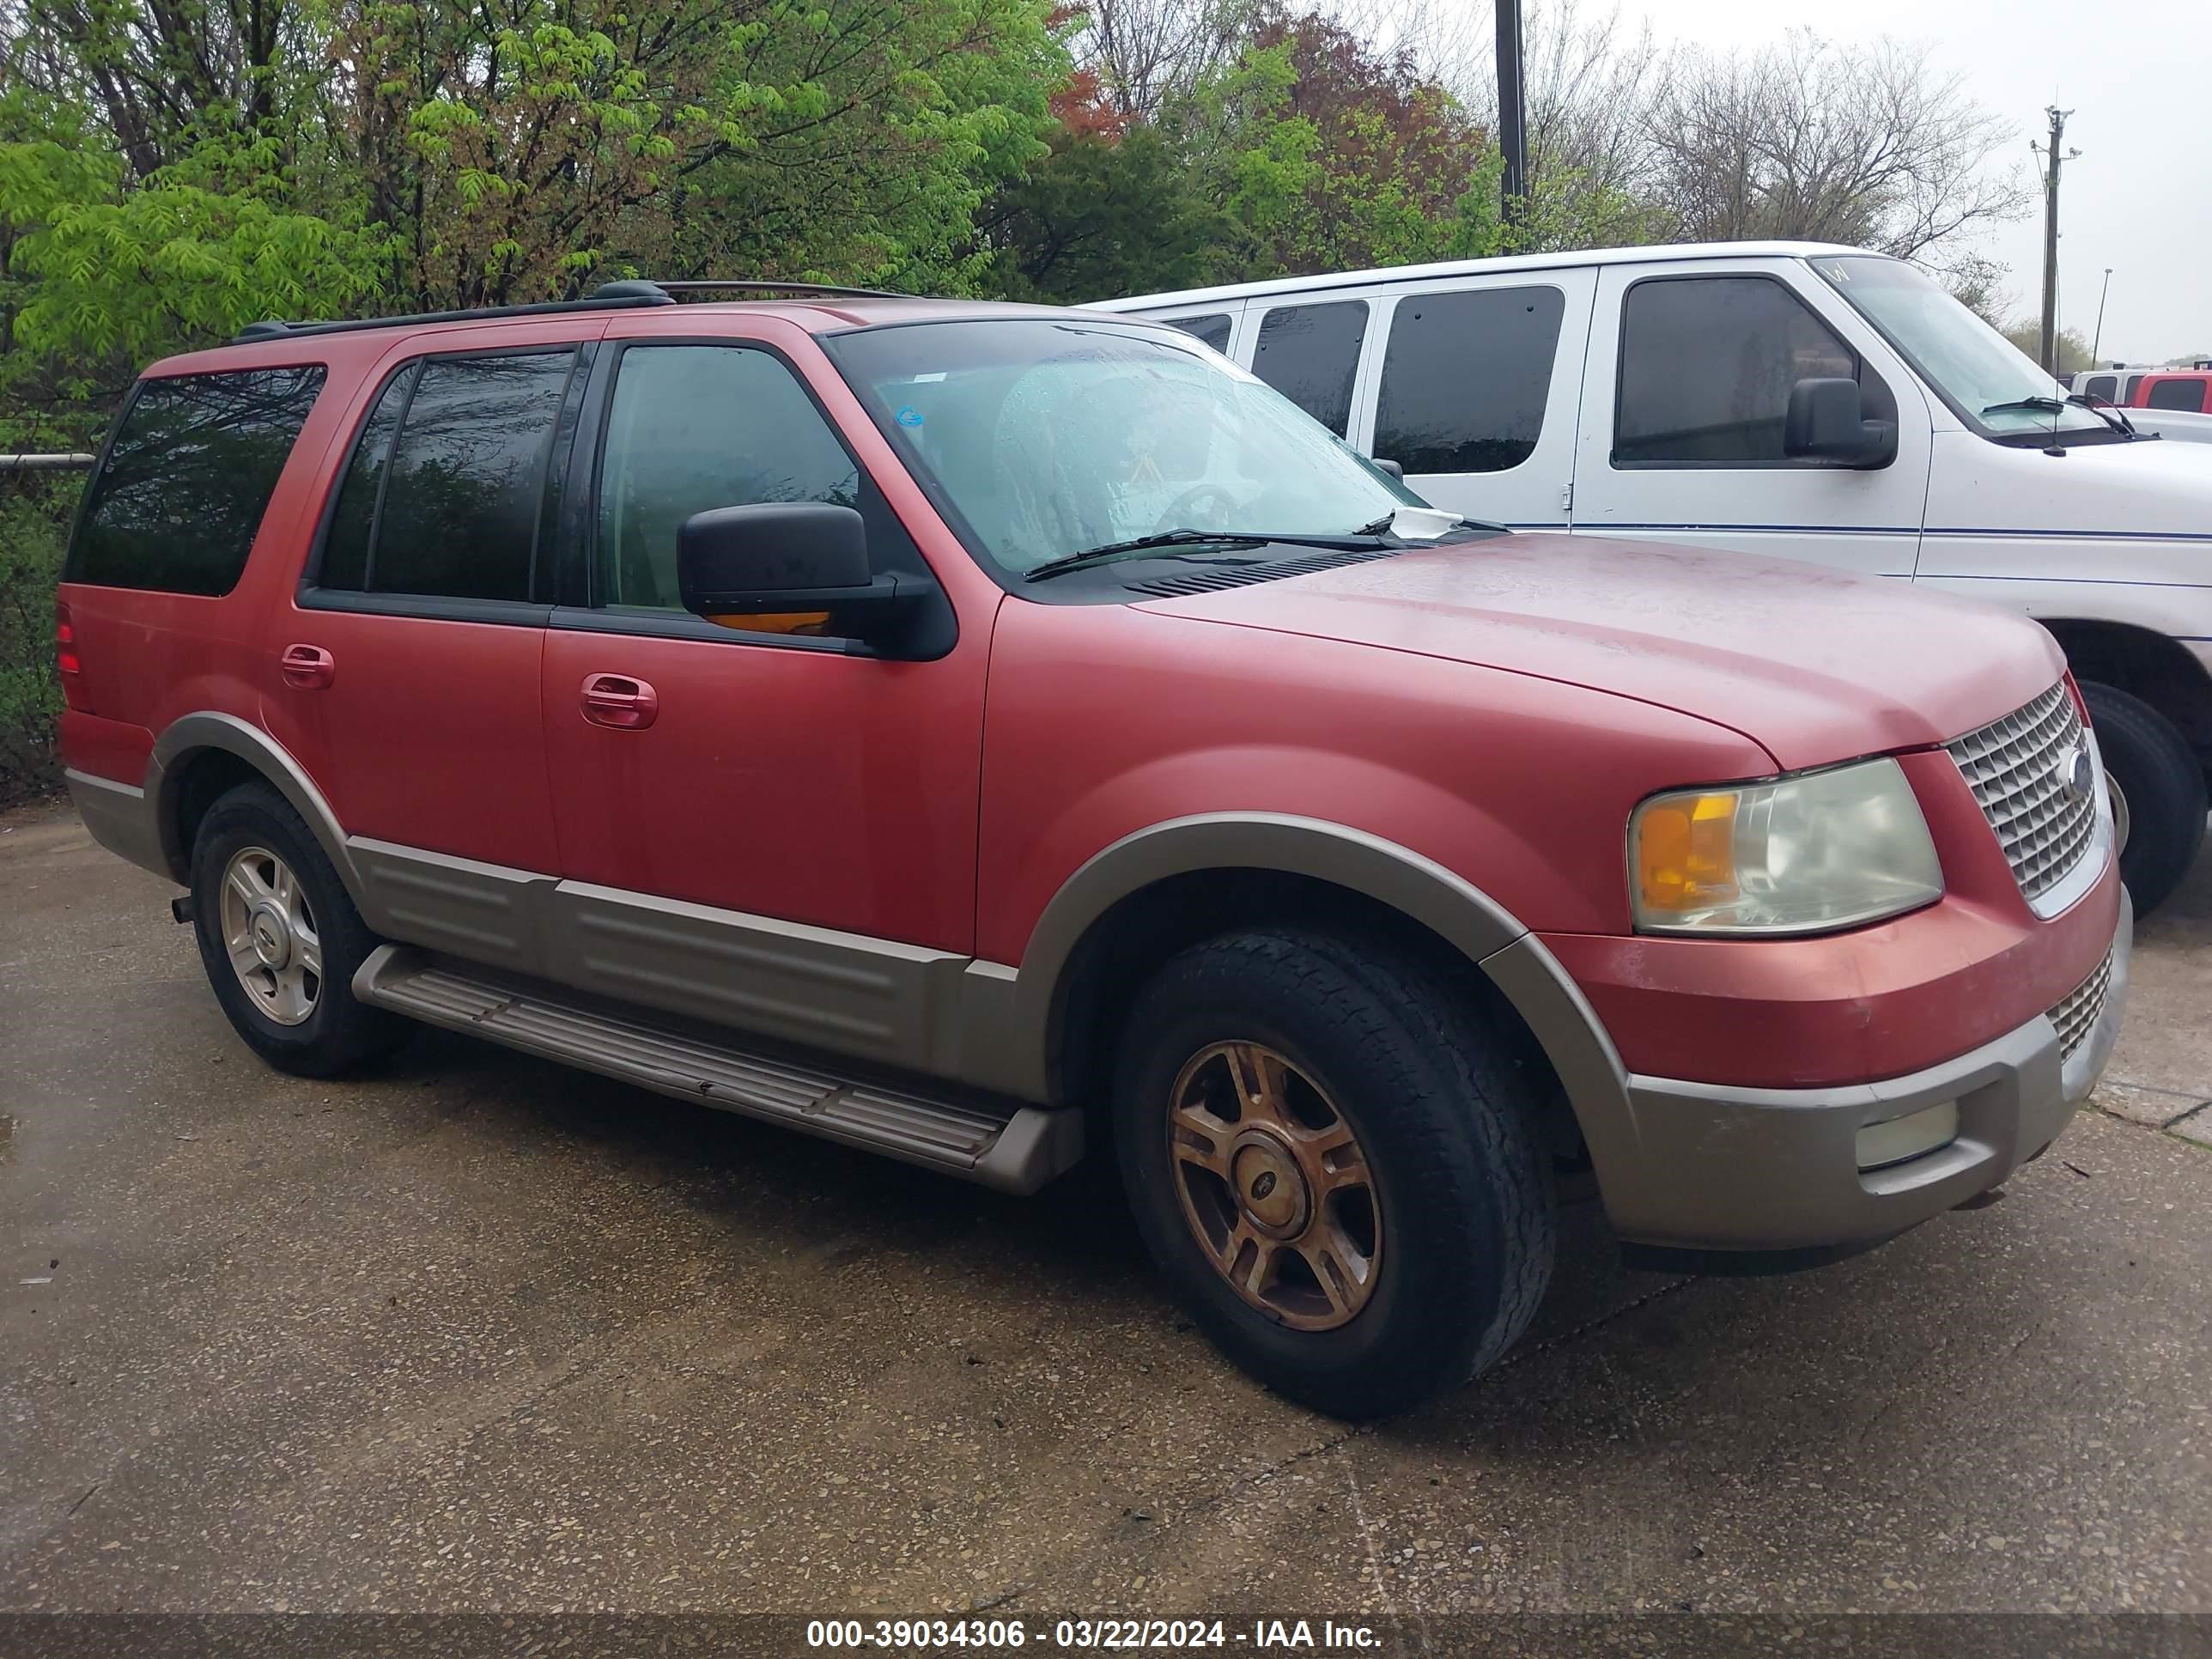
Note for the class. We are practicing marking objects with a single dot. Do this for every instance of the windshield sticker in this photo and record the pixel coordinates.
(909, 417)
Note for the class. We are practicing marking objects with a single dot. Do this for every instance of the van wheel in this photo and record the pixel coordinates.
(1333, 1166)
(2158, 793)
(280, 938)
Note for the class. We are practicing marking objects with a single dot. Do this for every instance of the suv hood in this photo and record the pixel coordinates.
(1814, 664)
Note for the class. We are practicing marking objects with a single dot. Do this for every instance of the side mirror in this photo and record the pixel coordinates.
(789, 568)
(1391, 467)
(1827, 421)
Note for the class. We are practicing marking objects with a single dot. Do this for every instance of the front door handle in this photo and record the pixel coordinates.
(619, 701)
(308, 667)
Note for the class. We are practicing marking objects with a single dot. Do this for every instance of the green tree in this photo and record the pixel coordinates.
(2073, 349)
(1103, 215)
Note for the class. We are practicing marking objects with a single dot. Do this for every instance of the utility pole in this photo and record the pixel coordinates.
(2098, 339)
(1512, 118)
(2052, 158)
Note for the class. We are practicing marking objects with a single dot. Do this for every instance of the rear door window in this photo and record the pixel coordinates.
(444, 495)
(2099, 386)
(1310, 354)
(179, 498)
(1212, 328)
(1706, 367)
(2134, 380)
(1465, 377)
(2185, 395)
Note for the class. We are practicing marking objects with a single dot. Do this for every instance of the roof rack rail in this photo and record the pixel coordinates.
(628, 294)
(710, 284)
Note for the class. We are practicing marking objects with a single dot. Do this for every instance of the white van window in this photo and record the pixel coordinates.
(1310, 354)
(1212, 328)
(2134, 380)
(1465, 377)
(1706, 366)
(2099, 386)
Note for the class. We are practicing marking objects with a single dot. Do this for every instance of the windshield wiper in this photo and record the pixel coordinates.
(2040, 404)
(2114, 416)
(1366, 535)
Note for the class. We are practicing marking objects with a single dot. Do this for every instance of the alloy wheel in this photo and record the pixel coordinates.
(1275, 1185)
(269, 934)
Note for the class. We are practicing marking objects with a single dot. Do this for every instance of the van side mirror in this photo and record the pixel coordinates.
(790, 567)
(1827, 421)
(1393, 468)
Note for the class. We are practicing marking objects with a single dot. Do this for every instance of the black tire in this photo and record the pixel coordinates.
(340, 1033)
(1444, 1118)
(2153, 766)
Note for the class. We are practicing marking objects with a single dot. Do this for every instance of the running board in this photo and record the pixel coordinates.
(1004, 1145)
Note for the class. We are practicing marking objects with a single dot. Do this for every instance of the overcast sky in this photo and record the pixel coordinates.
(2137, 73)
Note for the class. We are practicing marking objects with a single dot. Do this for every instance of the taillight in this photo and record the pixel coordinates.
(2080, 702)
(65, 657)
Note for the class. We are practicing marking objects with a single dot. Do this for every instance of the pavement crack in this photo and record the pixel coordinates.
(1529, 1351)
(87, 1498)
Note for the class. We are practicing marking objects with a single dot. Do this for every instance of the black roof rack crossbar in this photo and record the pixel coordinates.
(626, 294)
(747, 285)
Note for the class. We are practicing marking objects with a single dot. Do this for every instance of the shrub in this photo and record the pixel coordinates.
(34, 528)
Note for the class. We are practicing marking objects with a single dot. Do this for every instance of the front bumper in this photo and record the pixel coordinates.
(1724, 1168)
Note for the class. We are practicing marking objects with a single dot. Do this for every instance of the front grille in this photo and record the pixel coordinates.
(2076, 1014)
(2021, 769)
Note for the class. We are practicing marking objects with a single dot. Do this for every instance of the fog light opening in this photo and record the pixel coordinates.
(1914, 1135)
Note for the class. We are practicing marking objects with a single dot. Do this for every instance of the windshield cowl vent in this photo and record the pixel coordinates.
(1214, 581)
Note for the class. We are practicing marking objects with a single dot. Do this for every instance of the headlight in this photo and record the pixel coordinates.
(1800, 855)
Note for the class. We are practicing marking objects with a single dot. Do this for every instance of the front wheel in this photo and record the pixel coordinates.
(1332, 1164)
(2158, 793)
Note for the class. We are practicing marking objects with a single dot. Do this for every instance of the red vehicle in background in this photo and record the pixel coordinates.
(2186, 390)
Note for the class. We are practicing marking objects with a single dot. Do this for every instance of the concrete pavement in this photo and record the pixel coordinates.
(479, 1333)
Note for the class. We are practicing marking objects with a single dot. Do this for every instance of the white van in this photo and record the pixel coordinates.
(1787, 399)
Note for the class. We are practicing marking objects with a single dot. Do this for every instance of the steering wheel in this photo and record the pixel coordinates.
(1183, 512)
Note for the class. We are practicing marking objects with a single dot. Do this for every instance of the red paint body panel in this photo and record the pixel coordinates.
(2200, 379)
(429, 735)
(838, 790)
(1816, 665)
(105, 748)
(1106, 719)
(1876, 1003)
(804, 785)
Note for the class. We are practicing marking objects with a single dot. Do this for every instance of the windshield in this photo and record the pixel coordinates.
(1975, 368)
(1054, 437)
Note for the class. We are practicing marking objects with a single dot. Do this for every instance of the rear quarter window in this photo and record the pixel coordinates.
(179, 496)
(2179, 394)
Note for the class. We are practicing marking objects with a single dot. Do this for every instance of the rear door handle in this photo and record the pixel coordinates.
(620, 701)
(308, 667)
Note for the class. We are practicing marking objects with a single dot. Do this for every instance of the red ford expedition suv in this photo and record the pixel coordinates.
(983, 734)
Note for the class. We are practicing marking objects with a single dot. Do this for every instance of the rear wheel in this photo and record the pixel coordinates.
(280, 938)
(1333, 1166)
(2158, 793)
